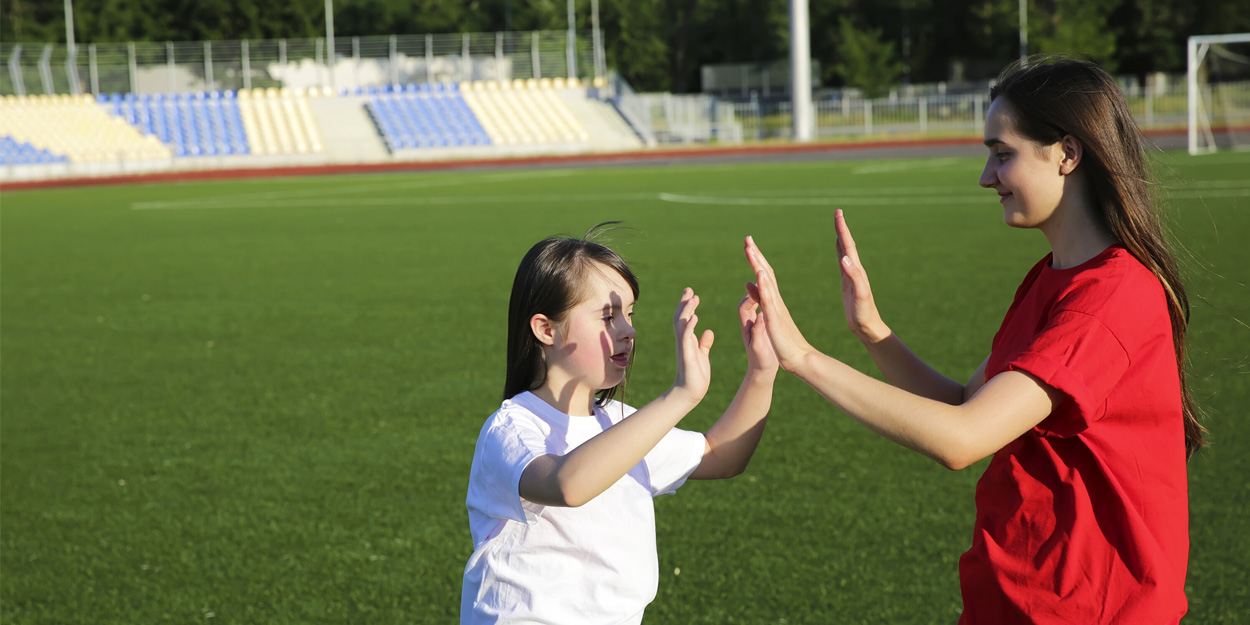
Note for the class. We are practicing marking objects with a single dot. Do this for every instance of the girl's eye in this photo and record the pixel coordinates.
(607, 318)
(1001, 156)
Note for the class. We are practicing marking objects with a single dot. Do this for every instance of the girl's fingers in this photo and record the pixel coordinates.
(705, 341)
(746, 309)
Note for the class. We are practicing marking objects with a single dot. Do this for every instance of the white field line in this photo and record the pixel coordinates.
(250, 199)
(831, 196)
(962, 162)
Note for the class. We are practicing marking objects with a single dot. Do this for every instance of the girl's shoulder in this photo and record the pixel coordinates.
(616, 410)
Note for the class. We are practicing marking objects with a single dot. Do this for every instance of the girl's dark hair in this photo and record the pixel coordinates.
(1057, 96)
(551, 281)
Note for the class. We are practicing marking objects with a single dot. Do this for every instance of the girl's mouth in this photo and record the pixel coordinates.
(621, 360)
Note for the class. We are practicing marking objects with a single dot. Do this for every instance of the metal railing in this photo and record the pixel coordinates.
(170, 67)
(700, 118)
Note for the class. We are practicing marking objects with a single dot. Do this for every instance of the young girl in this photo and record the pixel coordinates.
(563, 474)
(1082, 514)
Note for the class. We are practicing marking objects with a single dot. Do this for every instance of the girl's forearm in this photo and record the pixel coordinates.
(732, 440)
(581, 475)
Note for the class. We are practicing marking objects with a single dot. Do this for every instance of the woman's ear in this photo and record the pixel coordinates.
(1072, 152)
(544, 330)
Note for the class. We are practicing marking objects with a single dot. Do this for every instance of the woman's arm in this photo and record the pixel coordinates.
(733, 438)
(579, 476)
(900, 366)
(955, 436)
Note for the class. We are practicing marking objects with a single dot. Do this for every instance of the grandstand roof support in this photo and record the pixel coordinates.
(15, 70)
(45, 70)
(800, 72)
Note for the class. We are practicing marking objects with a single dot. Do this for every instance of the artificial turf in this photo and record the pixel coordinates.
(256, 401)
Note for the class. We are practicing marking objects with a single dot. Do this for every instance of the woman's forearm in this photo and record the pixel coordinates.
(955, 436)
(904, 369)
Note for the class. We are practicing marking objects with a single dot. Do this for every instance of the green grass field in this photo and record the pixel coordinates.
(256, 401)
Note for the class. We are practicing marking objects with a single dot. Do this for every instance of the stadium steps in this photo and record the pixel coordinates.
(348, 134)
(608, 130)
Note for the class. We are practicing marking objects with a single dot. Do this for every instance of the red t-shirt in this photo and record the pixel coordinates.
(1085, 518)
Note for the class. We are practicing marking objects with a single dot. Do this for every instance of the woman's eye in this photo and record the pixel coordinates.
(1001, 156)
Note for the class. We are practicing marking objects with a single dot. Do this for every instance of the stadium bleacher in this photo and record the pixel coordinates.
(76, 128)
(417, 120)
(14, 152)
(524, 112)
(191, 124)
(424, 116)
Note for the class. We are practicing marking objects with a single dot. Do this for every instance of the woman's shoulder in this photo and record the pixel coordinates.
(1114, 278)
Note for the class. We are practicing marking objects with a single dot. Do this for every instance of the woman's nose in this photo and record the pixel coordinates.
(988, 176)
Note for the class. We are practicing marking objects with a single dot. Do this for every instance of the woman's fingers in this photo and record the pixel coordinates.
(846, 243)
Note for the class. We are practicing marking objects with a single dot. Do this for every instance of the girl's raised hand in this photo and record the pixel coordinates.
(760, 354)
(788, 342)
(861, 310)
(694, 369)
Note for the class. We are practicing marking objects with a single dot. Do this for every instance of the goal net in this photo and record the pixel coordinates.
(1219, 93)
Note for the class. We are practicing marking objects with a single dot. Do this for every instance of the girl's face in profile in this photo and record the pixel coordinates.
(593, 344)
(1026, 177)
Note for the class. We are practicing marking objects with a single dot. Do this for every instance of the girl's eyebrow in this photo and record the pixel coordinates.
(992, 141)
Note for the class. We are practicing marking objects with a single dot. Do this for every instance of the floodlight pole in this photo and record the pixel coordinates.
(330, 39)
(800, 71)
(1024, 29)
(571, 54)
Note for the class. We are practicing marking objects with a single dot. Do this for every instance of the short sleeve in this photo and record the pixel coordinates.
(504, 448)
(1080, 357)
(673, 459)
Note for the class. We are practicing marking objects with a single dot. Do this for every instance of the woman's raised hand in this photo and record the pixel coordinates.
(788, 342)
(694, 369)
(861, 310)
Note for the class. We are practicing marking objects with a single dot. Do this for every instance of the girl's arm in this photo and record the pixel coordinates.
(955, 436)
(581, 475)
(732, 439)
(900, 366)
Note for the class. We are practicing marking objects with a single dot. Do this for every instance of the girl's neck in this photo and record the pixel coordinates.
(570, 398)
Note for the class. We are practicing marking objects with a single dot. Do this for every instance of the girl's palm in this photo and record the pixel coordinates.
(694, 368)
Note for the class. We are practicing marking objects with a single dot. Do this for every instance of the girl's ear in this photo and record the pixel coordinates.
(544, 330)
(1072, 152)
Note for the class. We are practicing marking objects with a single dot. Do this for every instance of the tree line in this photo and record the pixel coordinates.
(660, 45)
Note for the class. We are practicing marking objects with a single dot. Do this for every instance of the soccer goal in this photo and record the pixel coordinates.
(1219, 93)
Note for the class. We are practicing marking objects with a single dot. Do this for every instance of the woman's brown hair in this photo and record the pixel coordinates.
(1057, 96)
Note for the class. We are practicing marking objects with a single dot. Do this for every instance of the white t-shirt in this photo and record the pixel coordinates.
(579, 566)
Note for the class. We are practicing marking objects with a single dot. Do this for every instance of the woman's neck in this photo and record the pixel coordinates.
(1076, 233)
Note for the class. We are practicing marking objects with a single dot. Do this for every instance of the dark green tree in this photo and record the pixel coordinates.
(865, 61)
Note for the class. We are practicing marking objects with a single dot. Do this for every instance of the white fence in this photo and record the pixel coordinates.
(700, 118)
(170, 67)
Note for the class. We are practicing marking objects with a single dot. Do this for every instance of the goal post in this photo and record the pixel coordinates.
(1203, 106)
